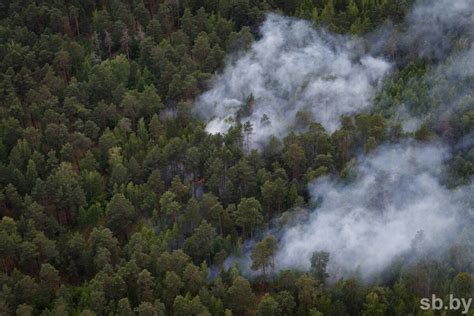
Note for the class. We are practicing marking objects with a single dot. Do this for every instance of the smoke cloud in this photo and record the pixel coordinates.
(394, 206)
(452, 84)
(433, 28)
(450, 92)
(441, 32)
(296, 73)
(397, 206)
(293, 69)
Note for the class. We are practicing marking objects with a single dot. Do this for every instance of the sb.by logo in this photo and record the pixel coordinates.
(436, 303)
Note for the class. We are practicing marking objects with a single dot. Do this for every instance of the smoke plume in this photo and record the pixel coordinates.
(292, 71)
(433, 28)
(395, 205)
(295, 73)
(442, 33)
(449, 85)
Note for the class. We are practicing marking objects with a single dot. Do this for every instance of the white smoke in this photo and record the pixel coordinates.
(295, 69)
(452, 88)
(395, 204)
(434, 27)
(292, 69)
(441, 32)
(450, 91)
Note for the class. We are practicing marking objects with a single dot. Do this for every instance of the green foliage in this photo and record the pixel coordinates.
(319, 261)
(115, 201)
(268, 306)
(119, 215)
(249, 214)
(263, 255)
(240, 296)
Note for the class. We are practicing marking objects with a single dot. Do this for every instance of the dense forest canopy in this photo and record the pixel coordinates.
(246, 157)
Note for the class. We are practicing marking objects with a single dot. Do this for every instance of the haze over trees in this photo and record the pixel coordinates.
(115, 200)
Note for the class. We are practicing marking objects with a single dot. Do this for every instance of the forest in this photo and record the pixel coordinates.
(236, 157)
